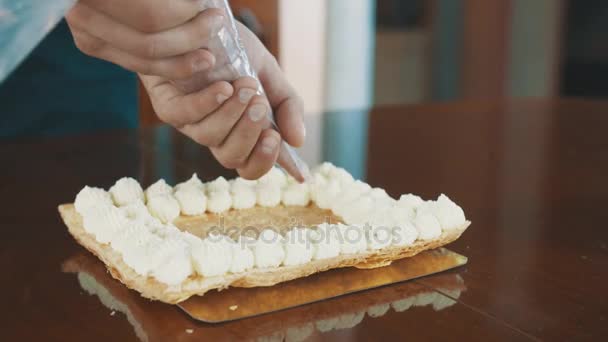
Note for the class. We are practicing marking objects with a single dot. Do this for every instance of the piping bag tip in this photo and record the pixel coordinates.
(293, 164)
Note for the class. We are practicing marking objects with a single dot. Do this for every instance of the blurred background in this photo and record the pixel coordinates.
(354, 53)
(345, 57)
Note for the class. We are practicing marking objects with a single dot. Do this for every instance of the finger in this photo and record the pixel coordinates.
(181, 110)
(288, 107)
(178, 67)
(175, 41)
(263, 156)
(288, 116)
(149, 15)
(214, 128)
(235, 150)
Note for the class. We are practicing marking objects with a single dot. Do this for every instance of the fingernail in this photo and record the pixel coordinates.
(245, 95)
(201, 65)
(221, 98)
(269, 144)
(257, 112)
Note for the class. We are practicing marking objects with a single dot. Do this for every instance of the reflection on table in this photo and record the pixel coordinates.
(156, 321)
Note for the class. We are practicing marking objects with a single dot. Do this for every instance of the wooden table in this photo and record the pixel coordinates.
(532, 176)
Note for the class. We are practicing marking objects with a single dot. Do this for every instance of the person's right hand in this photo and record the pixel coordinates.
(150, 37)
(230, 118)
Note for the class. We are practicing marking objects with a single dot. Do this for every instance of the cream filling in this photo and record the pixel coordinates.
(192, 201)
(159, 188)
(126, 190)
(152, 246)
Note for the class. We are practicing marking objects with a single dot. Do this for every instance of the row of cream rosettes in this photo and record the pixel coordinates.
(333, 188)
(152, 246)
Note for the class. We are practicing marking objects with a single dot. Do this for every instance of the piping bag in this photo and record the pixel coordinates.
(232, 63)
(23, 24)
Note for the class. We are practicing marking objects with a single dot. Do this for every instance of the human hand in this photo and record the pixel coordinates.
(150, 37)
(213, 116)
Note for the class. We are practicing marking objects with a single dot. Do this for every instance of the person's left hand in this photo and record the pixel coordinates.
(152, 37)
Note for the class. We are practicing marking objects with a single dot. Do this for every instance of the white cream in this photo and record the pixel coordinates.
(349, 194)
(220, 184)
(298, 247)
(244, 198)
(358, 211)
(243, 194)
(330, 171)
(159, 188)
(274, 176)
(326, 194)
(380, 216)
(401, 213)
(166, 230)
(410, 201)
(345, 178)
(104, 222)
(212, 256)
(243, 258)
(404, 234)
(175, 264)
(326, 242)
(219, 201)
(90, 197)
(449, 214)
(134, 234)
(296, 194)
(140, 252)
(164, 207)
(427, 225)
(381, 197)
(268, 194)
(379, 237)
(352, 239)
(239, 181)
(126, 190)
(268, 249)
(193, 182)
(137, 211)
(192, 201)
(325, 169)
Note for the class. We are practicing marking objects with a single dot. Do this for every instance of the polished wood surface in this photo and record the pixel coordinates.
(530, 175)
